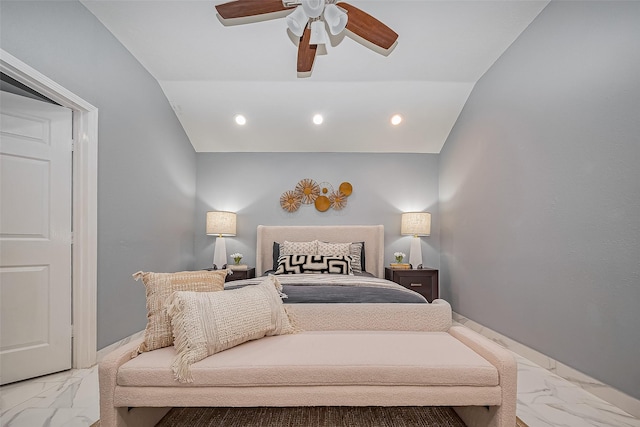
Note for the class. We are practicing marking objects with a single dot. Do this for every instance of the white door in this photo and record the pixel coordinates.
(35, 238)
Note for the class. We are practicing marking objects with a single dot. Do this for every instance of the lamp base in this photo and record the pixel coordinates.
(415, 254)
(220, 253)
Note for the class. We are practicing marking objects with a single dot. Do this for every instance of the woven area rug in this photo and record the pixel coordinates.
(316, 416)
(330, 416)
(321, 416)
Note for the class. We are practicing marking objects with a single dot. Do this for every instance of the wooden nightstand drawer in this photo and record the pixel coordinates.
(424, 281)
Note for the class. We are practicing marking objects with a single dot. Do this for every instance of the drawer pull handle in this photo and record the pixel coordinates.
(415, 285)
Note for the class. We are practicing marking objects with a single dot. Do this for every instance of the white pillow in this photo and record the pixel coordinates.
(205, 323)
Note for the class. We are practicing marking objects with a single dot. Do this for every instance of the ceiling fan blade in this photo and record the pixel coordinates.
(244, 8)
(306, 52)
(368, 27)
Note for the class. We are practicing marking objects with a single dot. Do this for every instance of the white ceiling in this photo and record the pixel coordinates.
(211, 72)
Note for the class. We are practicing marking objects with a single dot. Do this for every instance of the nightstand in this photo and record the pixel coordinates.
(249, 273)
(423, 281)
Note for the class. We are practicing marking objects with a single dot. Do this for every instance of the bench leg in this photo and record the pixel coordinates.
(483, 416)
(132, 417)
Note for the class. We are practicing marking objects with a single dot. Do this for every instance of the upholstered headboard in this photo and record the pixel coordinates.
(371, 235)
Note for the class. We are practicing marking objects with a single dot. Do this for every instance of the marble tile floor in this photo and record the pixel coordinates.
(70, 399)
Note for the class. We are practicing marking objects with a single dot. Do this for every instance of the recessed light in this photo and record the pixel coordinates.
(240, 119)
(318, 119)
(396, 119)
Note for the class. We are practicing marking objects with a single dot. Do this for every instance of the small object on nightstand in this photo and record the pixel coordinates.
(423, 281)
(248, 273)
(238, 267)
(400, 266)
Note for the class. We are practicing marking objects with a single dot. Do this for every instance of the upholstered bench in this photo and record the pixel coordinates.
(421, 361)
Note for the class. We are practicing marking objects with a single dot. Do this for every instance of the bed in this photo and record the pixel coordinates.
(365, 285)
(348, 352)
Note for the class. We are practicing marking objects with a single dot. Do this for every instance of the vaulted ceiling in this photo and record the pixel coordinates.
(210, 72)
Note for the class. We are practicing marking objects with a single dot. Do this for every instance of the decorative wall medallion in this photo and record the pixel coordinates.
(308, 190)
(290, 201)
(322, 203)
(325, 188)
(338, 200)
(322, 196)
(346, 188)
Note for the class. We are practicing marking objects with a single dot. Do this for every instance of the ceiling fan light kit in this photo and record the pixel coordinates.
(335, 18)
(297, 21)
(307, 21)
(313, 8)
(315, 11)
(318, 33)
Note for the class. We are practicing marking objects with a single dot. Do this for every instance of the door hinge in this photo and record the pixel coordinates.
(72, 237)
(71, 331)
(73, 145)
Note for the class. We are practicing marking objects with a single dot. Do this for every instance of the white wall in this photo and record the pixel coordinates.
(540, 192)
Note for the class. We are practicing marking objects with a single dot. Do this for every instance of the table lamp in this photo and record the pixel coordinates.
(416, 224)
(220, 223)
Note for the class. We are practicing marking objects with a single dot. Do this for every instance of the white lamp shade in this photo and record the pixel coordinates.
(297, 21)
(336, 18)
(313, 8)
(220, 223)
(318, 33)
(416, 224)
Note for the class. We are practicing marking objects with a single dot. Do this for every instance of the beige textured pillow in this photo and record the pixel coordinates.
(299, 248)
(159, 286)
(205, 323)
(330, 248)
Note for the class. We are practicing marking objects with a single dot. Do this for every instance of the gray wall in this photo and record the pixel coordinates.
(384, 186)
(540, 192)
(146, 166)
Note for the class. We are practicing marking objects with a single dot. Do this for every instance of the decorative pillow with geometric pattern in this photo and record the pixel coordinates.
(319, 264)
(299, 248)
(354, 249)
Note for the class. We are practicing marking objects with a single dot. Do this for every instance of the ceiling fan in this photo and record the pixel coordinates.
(307, 21)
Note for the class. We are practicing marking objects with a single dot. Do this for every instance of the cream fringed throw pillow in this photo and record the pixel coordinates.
(205, 323)
(159, 287)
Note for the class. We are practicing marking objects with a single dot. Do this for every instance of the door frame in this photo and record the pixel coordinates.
(85, 204)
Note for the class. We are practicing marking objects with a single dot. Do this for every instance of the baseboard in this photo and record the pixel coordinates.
(108, 349)
(605, 392)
